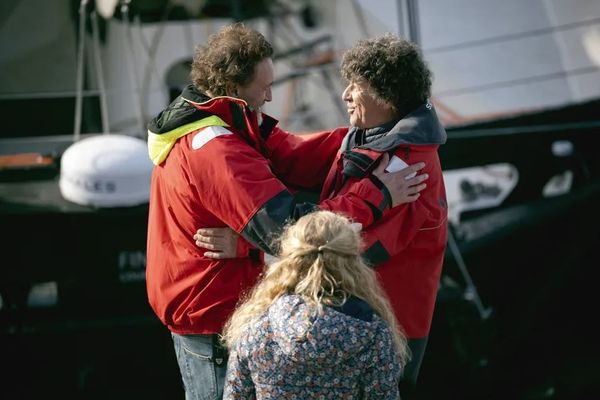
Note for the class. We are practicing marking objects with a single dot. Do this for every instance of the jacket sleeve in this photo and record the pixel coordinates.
(381, 376)
(236, 184)
(398, 228)
(238, 382)
(303, 160)
(363, 202)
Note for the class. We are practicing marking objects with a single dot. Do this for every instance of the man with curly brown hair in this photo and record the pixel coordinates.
(217, 164)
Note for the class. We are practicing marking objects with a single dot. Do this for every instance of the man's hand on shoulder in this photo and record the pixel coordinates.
(403, 185)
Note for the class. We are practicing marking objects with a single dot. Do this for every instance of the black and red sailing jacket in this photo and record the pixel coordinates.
(407, 245)
(214, 170)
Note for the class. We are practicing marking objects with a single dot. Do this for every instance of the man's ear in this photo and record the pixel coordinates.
(393, 109)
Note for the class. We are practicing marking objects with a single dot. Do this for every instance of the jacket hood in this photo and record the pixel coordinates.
(419, 127)
(180, 112)
(322, 340)
(193, 110)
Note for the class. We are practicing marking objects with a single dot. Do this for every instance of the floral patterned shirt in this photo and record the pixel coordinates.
(295, 352)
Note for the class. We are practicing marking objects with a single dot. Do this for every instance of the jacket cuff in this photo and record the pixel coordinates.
(245, 249)
(387, 197)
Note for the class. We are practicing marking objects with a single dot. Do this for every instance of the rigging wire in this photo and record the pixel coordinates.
(79, 76)
(512, 36)
(517, 82)
(100, 74)
(132, 71)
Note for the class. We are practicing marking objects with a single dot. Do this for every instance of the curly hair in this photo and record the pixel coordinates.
(229, 56)
(393, 67)
(319, 260)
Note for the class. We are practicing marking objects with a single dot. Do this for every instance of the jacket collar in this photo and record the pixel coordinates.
(419, 127)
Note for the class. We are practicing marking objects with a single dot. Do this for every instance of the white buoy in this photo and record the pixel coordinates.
(106, 171)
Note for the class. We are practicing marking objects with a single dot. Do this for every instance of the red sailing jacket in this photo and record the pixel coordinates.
(212, 171)
(407, 245)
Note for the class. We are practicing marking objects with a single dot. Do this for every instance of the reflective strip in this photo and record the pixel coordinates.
(206, 135)
(159, 145)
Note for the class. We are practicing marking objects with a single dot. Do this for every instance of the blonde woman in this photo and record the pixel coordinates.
(317, 325)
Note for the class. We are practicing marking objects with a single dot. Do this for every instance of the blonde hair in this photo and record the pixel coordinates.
(320, 261)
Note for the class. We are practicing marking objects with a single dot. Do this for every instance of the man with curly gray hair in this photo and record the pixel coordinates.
(389, 84)
(393, 69)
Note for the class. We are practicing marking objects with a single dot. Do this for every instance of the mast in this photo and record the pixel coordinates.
(408, 20)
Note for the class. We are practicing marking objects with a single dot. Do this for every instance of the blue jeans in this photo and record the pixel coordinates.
(203, 364)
